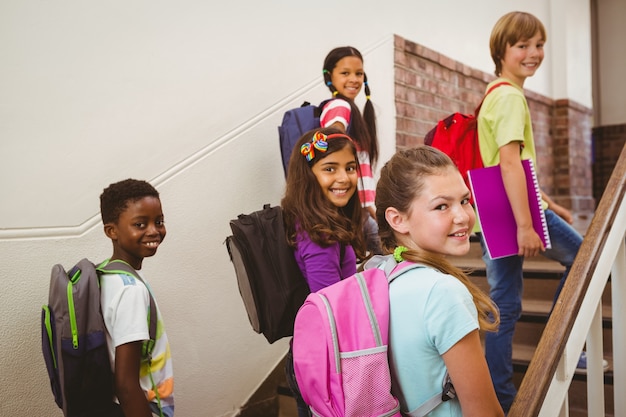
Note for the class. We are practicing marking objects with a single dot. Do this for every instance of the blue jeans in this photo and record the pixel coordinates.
(506, 284)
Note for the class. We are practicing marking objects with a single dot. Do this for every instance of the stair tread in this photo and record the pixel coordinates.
(542, 307)
(530, 265)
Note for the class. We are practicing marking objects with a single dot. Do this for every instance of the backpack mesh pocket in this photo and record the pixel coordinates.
(364, 372)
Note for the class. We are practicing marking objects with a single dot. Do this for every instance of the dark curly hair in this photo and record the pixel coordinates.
(115, 198)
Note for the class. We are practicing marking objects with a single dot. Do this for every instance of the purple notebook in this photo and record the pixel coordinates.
(494, 210)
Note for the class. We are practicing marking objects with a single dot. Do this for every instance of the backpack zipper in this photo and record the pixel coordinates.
(70, 304)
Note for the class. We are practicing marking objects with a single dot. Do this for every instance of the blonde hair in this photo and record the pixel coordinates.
(510, 29)
(401, 181)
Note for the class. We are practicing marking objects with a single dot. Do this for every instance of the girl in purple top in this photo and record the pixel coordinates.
(323, 215)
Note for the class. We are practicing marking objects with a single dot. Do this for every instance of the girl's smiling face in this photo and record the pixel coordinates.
(348, 76)
(440, 219)
(522, 59)
(337, 175)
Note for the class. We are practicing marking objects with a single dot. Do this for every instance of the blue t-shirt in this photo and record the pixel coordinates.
(429, 313)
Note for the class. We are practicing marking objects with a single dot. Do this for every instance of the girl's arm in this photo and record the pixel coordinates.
(129, 392)
(561, 211)
(468, 370)
(336, 114)
(323, 264)
(338, 126)
(514, 180)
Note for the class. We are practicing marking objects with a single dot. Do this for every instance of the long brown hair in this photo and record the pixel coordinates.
(401, 181)
(307, 208)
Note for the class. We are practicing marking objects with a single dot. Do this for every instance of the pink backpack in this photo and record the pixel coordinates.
(340, 346)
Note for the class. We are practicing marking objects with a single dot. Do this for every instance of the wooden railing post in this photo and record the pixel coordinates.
(618, 295)
(591, 259)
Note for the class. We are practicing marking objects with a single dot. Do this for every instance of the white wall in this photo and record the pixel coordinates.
(187, 95)
(611, 57)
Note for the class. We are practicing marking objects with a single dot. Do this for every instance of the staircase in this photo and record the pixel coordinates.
(541, 277)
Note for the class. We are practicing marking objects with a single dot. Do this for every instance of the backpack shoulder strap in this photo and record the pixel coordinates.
(448, 393)
(493, 87)
(393, 270)
(320, 107)
(120, 267)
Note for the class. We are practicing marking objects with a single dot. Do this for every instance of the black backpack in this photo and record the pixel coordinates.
(297, 122)
(270, 282)
(74, 339)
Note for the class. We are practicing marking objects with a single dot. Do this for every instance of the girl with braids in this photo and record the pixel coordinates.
(322, 216)
(345, 77)
(436, 312)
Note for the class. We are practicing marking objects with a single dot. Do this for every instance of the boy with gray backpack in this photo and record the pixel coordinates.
(103, 340)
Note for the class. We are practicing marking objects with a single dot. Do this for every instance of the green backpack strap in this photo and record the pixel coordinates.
(118, 266)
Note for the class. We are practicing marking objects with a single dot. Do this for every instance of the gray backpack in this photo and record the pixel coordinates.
(74, 339)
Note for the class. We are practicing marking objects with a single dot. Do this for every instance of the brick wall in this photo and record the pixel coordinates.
(429, 86)
(608, 144)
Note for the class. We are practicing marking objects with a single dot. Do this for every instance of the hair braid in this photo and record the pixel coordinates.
(369, 117)
(362, 125)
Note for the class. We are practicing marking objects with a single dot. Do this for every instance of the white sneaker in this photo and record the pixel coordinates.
(581, 367)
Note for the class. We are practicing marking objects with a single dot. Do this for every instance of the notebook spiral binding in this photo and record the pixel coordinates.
(544, 224)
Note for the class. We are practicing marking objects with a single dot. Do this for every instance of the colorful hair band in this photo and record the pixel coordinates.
(319, 142)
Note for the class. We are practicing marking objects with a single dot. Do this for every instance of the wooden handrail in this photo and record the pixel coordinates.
(536, 382)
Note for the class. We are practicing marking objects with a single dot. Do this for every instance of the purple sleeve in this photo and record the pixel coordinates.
(320, 265)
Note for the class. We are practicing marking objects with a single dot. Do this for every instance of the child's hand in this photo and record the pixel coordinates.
(529, 242)
(558, 209)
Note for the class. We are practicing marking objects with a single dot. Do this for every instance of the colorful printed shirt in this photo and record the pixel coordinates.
(125, 304)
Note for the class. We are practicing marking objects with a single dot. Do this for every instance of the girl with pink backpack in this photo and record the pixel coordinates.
(323, 216)
(436, 313)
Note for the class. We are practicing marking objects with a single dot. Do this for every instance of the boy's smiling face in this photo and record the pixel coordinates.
(522, 59)
(138, 232)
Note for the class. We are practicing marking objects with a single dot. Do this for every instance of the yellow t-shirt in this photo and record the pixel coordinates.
(504, 118)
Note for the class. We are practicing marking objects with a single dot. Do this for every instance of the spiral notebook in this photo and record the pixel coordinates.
(494, 210)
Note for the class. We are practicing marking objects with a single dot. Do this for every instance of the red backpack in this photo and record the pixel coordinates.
(457, 137)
